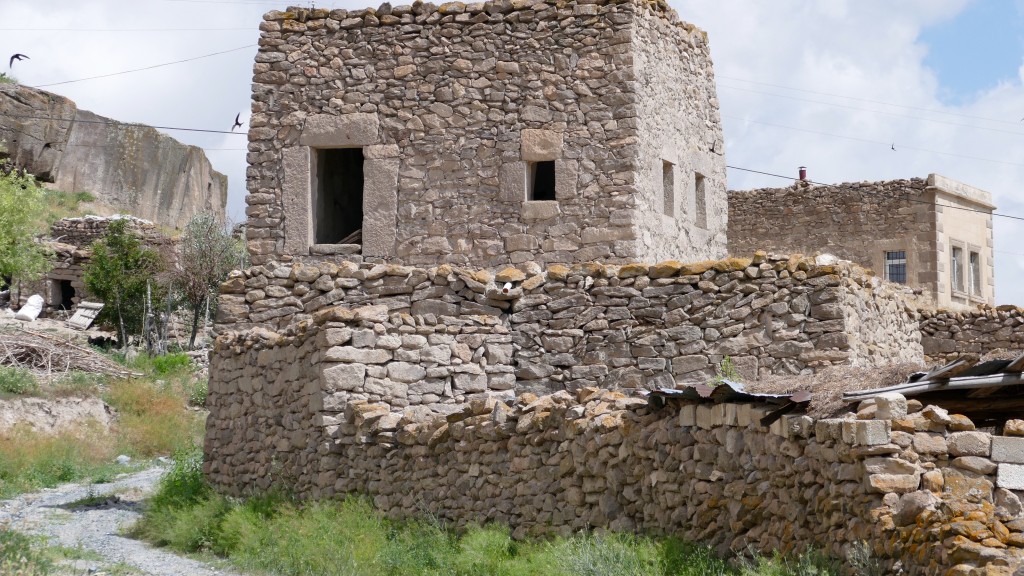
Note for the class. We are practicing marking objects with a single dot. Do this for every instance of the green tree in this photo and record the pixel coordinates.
(206, 254)
(119, 272)
(22, 209)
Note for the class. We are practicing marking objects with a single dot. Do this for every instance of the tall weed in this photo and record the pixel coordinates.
(21, 555)
(17, 381)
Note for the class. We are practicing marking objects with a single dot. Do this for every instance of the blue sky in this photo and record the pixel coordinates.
(827, 84)
(976, 49)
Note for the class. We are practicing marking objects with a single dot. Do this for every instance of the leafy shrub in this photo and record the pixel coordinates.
(183, 484)
(170, 364)
(17, 381)
(198, 390)
(20, 555)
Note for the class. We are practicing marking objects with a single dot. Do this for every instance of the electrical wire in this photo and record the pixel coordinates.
(964, 208)
(134, 125)
(146, 67)
(833, 95)
(868, 141)
(105, 30)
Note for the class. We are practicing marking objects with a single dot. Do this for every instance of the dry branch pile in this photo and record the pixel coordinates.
(48, 356)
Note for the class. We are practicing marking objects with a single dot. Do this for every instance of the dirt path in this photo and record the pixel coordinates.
(98, 528)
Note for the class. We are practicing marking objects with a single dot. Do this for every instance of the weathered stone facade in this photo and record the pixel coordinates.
(924, 219)
(455, 108)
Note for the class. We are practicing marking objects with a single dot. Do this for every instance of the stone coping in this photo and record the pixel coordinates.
(428, 12)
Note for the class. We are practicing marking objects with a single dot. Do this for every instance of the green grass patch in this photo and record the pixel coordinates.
(17, 381)
(153, 419)
(22, 555)
(274, 534)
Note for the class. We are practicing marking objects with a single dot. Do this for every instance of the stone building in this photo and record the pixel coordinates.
(934, 234)
(485, 134)
(63, 287)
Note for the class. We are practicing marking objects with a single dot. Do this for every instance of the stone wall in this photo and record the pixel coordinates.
(919, 490)
(854, 221)
(70, 241)
(947, 335)
(451, 104)
(432, 336)
(129, 168)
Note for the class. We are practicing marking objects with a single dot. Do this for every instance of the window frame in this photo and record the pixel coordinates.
(899, 258)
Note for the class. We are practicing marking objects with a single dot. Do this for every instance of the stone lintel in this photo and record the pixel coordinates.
(340, 131)
(541, 145)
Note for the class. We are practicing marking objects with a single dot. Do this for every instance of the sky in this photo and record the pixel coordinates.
(833, 85)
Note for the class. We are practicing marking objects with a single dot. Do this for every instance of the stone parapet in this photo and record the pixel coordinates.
(946, 335)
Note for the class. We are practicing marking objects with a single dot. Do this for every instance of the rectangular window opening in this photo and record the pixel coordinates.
(542, 181)
(338, 211)
(956, 268)
(896, 266)
(700, 201)
(974, 271)
(668, 188)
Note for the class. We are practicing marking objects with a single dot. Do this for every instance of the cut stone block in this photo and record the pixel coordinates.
(1008, 449)
(1010, 476)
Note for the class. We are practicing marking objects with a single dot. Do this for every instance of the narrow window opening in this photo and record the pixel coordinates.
(974, 270)
(668, 186)
(956, 270)
(542, 181)
(339, 196)
(700, 201)
(896, 266)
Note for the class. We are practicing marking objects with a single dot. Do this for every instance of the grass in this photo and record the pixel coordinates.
(152, 420)
(17, 381)
(273, 534)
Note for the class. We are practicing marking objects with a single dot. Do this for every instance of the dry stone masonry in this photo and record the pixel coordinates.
(919, 491)
(485, 134)
(946, 335)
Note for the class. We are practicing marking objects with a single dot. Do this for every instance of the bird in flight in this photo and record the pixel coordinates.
(238, 122)
(10, 63)
(893, 146)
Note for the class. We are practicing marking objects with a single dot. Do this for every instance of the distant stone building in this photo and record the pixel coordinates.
(485, 134)
(934, 234)
(70, 240)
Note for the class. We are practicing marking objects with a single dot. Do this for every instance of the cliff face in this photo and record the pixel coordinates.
(130, 167)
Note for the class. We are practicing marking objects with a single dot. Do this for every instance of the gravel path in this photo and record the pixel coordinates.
(97, 528)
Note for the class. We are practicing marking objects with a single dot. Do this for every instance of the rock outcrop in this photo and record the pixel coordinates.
(130, 167)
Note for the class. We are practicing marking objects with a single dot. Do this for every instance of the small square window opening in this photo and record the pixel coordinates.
(541, 181)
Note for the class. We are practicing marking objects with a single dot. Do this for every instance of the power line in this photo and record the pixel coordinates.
(905, 106)
(1014, 132)
(147, 67)
(248, 28)
(133, 125)
(868, 141)
(964, 208)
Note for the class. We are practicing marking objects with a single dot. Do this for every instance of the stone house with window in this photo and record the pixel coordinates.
(932, 234)
(485, 134)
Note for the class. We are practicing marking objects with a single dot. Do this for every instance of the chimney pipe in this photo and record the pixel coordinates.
(803, 173)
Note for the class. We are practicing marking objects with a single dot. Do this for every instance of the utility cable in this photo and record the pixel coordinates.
(146, 67)
(868, 141)
(134, 125)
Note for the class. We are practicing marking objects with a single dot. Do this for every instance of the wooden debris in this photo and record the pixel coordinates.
(48, 356)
